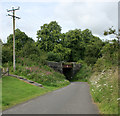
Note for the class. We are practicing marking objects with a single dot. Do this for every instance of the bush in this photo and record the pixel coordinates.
(30, 50)
(7, 55)
(53, 57)
(84, 73)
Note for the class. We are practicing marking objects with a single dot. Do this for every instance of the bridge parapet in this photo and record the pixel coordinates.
(76, 67)
(59, 66)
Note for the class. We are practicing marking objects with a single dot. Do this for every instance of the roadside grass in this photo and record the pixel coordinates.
(15, 91)
(104, 90)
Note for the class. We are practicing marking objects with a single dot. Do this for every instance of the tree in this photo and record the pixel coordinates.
(110, 50)
(83, 45)
(48, 36)
(75, 43)
(110, 31)
(7, 53)
(53, 57)
(1, 52)
(30, 50)
(93, 50)
(63, 52)
(20, 39)
(87, 36)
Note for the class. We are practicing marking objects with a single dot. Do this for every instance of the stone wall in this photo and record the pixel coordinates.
(57, 66)
(76, 67)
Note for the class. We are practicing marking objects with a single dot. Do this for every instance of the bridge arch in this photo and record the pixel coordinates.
(69, 69)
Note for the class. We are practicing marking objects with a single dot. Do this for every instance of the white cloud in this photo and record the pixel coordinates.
(95, 16)
(70, 14)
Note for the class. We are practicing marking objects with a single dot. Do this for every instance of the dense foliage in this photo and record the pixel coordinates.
(48, 36)
(52, 45)
(20, 39)
(71, 46)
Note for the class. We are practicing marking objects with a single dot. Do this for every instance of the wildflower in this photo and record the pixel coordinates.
(96, 82)
(47, 73)
(118, 98)
(98, 86)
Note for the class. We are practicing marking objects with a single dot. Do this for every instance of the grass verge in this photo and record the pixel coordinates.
(15, 91)
(104, 90)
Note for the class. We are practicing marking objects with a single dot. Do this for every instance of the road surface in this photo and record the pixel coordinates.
(73, 99)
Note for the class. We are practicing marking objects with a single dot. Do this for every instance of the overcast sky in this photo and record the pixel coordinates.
(70, 14)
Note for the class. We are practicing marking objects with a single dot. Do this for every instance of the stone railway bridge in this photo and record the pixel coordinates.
(69, 69)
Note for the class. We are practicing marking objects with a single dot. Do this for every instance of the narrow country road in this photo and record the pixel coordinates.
(73, 99)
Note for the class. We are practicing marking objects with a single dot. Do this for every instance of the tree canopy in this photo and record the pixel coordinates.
(72, 46)
(49, 35)
(20, 39)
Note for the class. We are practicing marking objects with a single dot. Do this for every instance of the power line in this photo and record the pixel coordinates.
(13, 16)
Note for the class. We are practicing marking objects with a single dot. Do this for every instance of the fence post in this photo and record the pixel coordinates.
(8, 71)
(3, 70)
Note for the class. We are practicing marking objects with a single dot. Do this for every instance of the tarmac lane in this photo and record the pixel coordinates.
(72, 99)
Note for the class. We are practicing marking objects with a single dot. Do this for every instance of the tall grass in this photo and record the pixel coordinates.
(104, 90)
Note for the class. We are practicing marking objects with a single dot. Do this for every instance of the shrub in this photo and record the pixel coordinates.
(53, 57)
(7, 55)
(84, 72)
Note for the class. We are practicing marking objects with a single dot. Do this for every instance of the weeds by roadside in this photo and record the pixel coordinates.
(104, 90)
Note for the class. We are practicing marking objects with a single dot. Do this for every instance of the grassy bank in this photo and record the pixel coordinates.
(104, 90)
(15, 91)
(39, 73)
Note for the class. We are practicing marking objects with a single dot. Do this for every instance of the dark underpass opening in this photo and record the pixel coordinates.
(68, 73)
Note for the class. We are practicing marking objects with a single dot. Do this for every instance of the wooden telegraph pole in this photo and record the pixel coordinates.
(13, 16)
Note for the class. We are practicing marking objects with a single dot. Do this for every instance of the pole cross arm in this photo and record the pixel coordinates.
(14, 16)
(17, 8)
(10, 15)
(9, 10)
(13, 9)
(17, 17)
